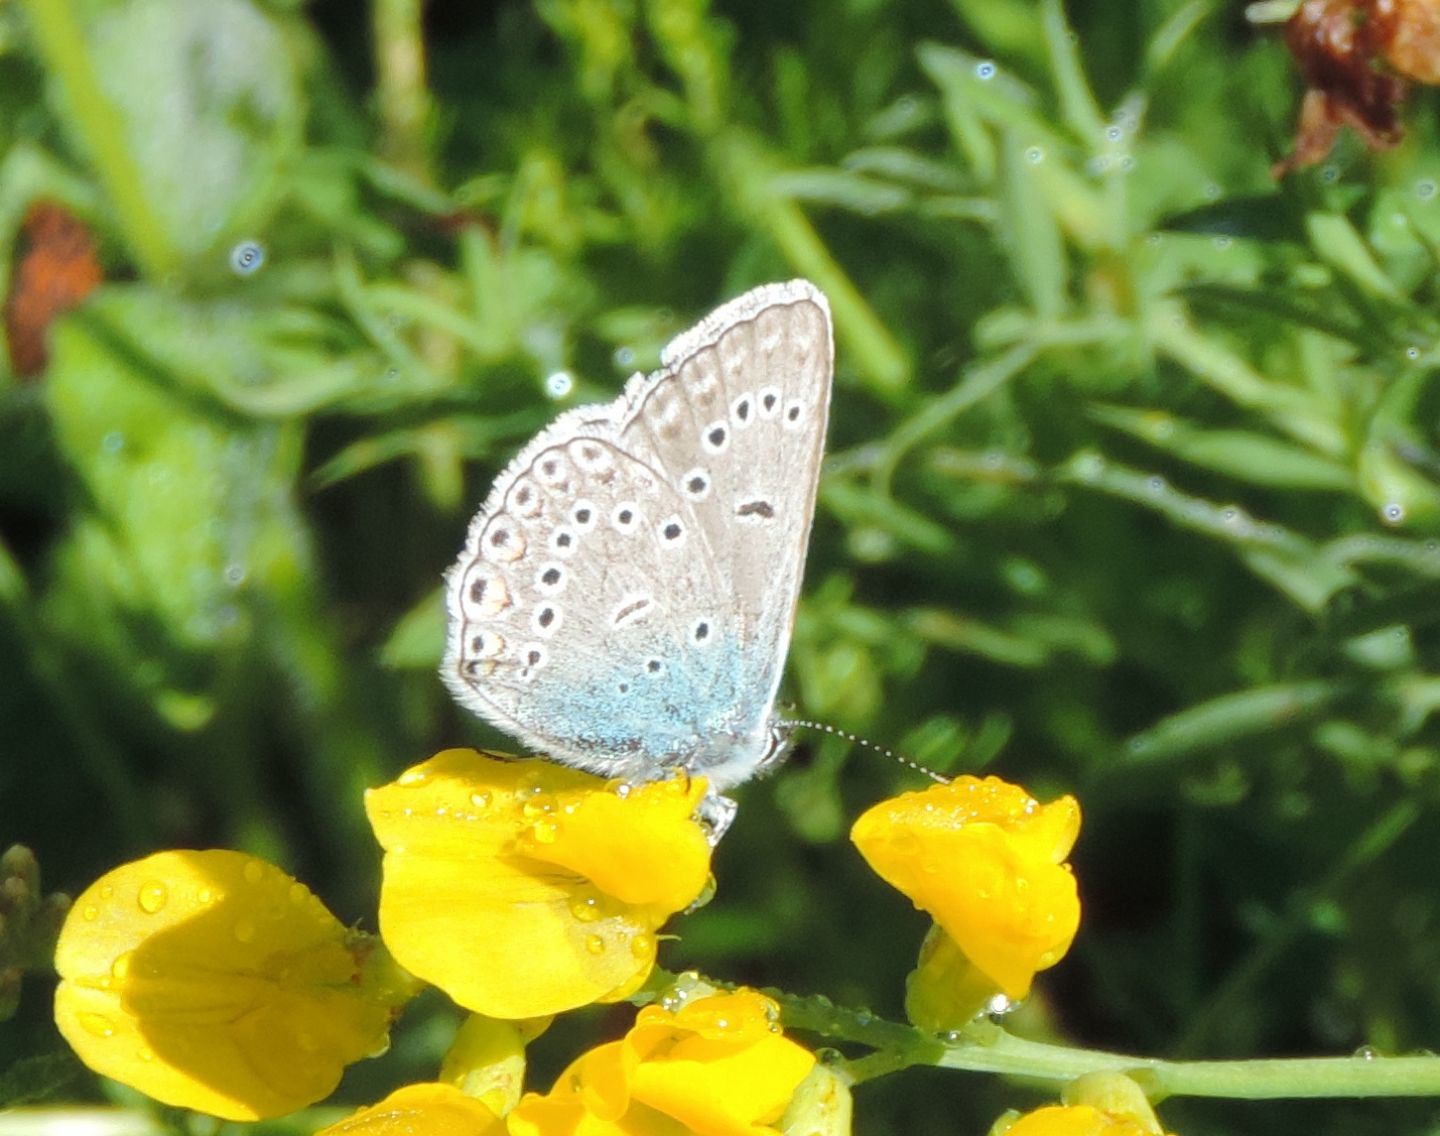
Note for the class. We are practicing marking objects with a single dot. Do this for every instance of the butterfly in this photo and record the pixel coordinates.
(625, 598)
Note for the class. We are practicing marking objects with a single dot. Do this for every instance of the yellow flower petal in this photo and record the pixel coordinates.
(718, 1066)
(213, 981)
(642, 849)
(431, 1109)
(987, 861)
(501, 883)
(1075, 1120)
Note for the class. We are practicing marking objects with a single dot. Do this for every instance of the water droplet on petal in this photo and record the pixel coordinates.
(480, 800)
(642, 946)
(595, 944)
(97, 1024)
(244, 931)
(153, 897)
(254, 871)
(412, 777)
(120, 968)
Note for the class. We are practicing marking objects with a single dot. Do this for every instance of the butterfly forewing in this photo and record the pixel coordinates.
(625, 599)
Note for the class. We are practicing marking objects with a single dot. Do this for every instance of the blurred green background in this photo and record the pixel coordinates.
(1133, 487)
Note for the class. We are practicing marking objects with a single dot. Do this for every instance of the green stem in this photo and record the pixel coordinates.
(401, 94)
(984, 1047)
(1258, 1079)
(101, 130)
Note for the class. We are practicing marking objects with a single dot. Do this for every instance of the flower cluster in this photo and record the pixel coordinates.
(212, 980)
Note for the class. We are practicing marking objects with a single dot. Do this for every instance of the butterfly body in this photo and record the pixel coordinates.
(625, 597)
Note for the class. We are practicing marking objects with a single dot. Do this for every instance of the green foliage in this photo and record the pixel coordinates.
(1134, 486)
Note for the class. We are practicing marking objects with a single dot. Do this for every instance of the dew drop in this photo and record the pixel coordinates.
(299, 894)
(1367, 1053)
(97, 1024)
(1425, 189)
(113, 442)
(595, 944)
(1412, 352)
(586, 909)
(1393, 513)
(642, 946)
(412, 777)
(145, 1054)
(985, 70)
(1034, 155)
(254, 872)
(559, 384)
(120, 968)
(244, 931)
(153, 897)
(247, 258)
(546, 832)
(90, 913)
(624, 358)
(107, 891)
(480, 800)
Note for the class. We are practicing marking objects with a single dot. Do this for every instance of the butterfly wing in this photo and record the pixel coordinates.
(625, 597)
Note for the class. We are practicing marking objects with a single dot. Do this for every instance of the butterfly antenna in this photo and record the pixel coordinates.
(866, 743)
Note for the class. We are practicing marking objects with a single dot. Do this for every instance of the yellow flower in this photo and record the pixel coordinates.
(716, 1066)
(213, 981)
(987, 862)
(432, 1109)
(523, 888)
